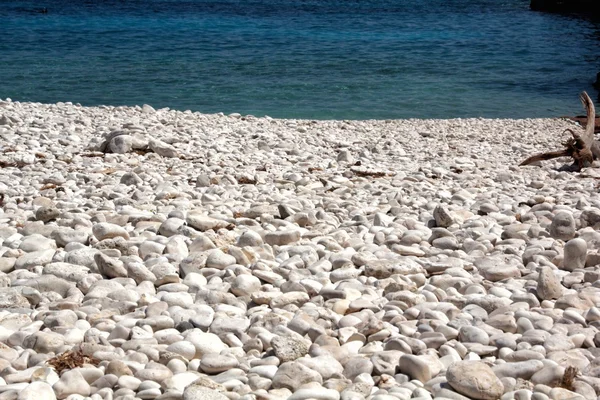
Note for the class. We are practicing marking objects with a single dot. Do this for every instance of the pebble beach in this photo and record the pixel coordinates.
(158, 254)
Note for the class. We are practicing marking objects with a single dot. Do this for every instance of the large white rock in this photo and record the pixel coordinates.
(37, 391)
(196, 392)
(474, 379)
(205, 223)
(205, 343)
(30, 260)
(163, 149)
(106, 230)
(71, 382)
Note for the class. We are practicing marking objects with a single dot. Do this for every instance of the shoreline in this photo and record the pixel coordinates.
(137, 107)
(170, 255)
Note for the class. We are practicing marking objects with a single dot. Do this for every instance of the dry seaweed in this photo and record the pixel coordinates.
(368, 174)
(91, 154)
(48, 186)
(244, 180)
(142, 152)
(71, 359)
(569, 376)
(8, 164)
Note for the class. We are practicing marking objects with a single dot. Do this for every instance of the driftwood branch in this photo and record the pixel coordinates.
(582, 147)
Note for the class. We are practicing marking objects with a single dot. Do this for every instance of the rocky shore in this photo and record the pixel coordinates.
(156, 254)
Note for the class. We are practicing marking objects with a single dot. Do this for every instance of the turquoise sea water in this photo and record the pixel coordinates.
(356, 59)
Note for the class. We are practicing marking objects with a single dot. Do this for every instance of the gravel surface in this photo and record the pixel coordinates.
(156, 254)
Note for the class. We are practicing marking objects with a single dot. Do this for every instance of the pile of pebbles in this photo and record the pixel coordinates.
(191, 256)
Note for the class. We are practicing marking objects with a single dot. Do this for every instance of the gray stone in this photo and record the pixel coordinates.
(36, 242)
(35, 258)
(165, 273)
(575, 358)
(223, 325)
(386, 362)
(550, 375)
(249, 238)
(205, 343)
(357, 365)
(11, 298)
(217, 363)
(7, 264)
(590, 217)
(475, 380)
(382, 269)
(442, 217)
(219, 260)
(327, 366)
(295, 298)
(171, 227)
(473, 334)
(548, 284)
(288, 348)
(521, 369)
(163, 149)
(121, 144)
(83, 256)
(63, 236)
(71, 382)
(245, 285)
(131, 179)
(197, 392)
(110, 267)
(575, 254)
(563, 226)
(422, 368)
(291, 375)
(315, 394)
(106, 230)
(345, 156)
(139, 272)
(48, 283)
(446, 243)
(69, 272)
(204, 223)
(46, 214)
(500, 272)
(37, 391)
(281, 238)
(118, 368)
(154, 372)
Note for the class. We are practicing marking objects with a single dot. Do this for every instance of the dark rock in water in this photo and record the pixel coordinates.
(589, 7)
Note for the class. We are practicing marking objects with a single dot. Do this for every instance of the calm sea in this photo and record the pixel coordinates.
(342, 59)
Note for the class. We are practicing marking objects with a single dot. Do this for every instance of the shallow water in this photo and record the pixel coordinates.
(301, 59)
